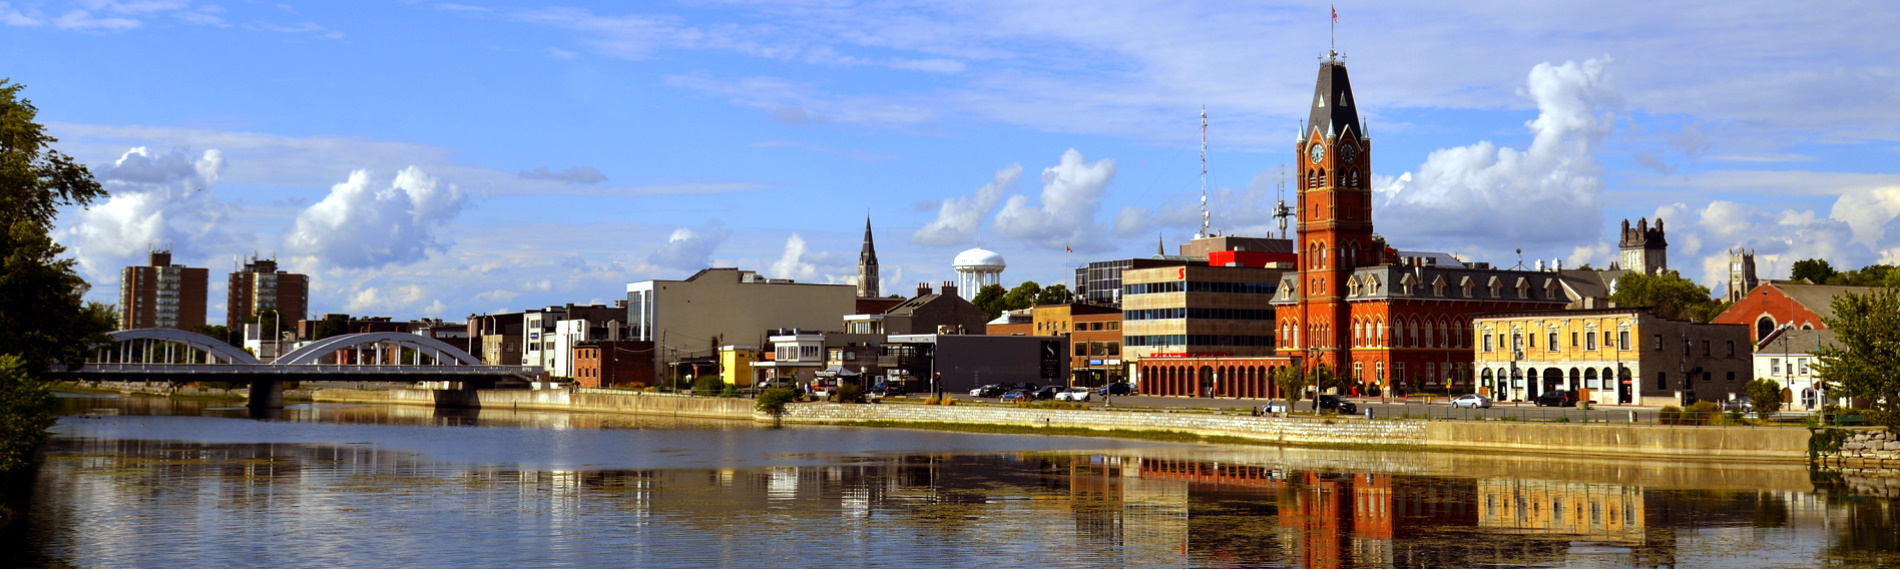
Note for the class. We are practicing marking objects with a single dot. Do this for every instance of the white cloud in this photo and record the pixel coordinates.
(156, 200)
(1481, 195)
(958, 218)
(1071, 196)
(799, 263)
(578, 174)
(361, 224)
(374, 299)
(690, 250)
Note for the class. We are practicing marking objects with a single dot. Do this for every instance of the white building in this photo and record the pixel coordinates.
(688, 320)
(1787, 357)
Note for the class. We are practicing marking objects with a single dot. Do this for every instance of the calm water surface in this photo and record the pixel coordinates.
(137, 482)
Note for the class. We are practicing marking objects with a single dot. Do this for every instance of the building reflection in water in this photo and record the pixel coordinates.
(116, 502)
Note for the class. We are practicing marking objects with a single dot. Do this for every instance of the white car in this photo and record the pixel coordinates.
(1074, 394)
(1471, 401)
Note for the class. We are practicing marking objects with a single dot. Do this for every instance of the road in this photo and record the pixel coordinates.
(1525, 411)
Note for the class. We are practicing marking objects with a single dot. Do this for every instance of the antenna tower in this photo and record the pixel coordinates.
(1281, 211)
(1204, 213)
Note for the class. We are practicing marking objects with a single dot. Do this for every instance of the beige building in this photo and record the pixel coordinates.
(1614, 356)
(688, 320)
(162, 295)
(1198, 310)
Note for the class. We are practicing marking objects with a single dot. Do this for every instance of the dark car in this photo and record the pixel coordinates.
(1558, 399)
(886, 390)
(1337, 404)
(1030, 387)
(1115, 389)
(990, 391)
(1015, 396)
(1046, 393)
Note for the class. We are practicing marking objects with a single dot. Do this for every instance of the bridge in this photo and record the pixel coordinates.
(171, 355)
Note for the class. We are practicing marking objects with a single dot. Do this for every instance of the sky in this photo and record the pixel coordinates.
(422, 159)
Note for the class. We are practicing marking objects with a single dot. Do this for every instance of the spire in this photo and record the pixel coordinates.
(1161, 247)
(867, 265)
(1334, 109)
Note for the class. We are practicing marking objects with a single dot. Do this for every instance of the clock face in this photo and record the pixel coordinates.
(1348, 152)
(1317, 151)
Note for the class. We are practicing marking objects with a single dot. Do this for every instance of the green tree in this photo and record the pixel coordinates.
(1864, 362)
(44, 319)
(1816, 271)
(330, 326)
(990, 299)
(1023, 296)
(1765, 394)
(219, 332)
(1667, 295)
(1320, 378)
(773, 400)
(1057, 294)
(1293, 384)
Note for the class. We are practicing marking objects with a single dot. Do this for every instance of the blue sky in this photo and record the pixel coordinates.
(431, 159)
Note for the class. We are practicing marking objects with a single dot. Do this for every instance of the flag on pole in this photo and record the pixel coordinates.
(1335, 14)
(1067, 249)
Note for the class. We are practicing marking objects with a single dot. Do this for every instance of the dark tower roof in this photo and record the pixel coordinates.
(1334, 109)
(870, 251)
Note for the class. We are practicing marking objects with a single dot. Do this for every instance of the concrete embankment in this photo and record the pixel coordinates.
(174, 389)
(1617, 440)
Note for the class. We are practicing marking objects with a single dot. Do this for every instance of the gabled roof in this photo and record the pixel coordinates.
(1796, 340)
(1817, 298)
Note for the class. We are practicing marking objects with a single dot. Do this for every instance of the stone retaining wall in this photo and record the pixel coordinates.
(1865, 451)
(1624, 440)
(1333, 431)
(169, 389)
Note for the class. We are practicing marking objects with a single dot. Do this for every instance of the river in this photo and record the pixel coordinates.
(151, 482)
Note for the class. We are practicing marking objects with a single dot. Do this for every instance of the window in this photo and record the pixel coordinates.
(1081, 349)
(1590, 340)
(1731, 349)
(1487, 343)
(1553, 340)
(1622, 340)
(1705, 348)
(1573, 339)
(1804, 366)
(1658, 341)
(1774, 366)
(1662, 380)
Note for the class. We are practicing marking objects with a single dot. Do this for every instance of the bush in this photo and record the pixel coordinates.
(708, 385)
(773, 401)
(1697, 414)
(848, 393)
(1765, 394)
(930, 401)
(730, 392)
(1052, 405)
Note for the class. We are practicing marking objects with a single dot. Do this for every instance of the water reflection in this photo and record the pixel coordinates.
(106, 498)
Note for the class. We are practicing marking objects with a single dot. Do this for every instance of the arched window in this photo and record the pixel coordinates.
(1353, 180)
(1322, 177)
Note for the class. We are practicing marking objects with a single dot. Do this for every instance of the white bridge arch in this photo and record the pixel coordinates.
(212, 347)
(314, 353)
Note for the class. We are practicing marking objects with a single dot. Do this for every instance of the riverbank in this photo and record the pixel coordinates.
(171, 390)
(1757, 444)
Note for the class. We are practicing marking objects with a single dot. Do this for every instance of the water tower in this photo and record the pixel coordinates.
(977, 268)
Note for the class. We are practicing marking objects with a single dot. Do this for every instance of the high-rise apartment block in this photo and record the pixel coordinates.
(261, 286)
(162, 295)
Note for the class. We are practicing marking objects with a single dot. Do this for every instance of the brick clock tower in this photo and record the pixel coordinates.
(1335, 210)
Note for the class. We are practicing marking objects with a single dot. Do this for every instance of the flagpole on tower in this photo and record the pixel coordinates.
(1332, 37)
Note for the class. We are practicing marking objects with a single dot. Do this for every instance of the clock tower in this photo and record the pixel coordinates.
(1335, 218)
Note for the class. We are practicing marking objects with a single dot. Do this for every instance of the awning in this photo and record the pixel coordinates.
(836, 371)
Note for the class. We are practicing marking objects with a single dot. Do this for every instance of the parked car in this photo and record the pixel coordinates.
(1074, 395)
(1030, 387)
(821, 392)
(1338, 404)
(989, 391)
(1115, 389)
(1557, 398)
(1471, 401)
(886, 390)
(1738, 405)
(1047, 392)
(1014, 396)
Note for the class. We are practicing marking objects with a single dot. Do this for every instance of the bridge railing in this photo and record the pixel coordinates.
(216, 369)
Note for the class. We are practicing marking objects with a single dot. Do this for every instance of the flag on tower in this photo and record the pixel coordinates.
(1335, 14)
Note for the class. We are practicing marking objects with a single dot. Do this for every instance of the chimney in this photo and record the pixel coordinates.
(923, 288)
(949, 289)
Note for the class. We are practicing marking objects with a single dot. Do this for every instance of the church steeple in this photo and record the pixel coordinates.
(867, 265)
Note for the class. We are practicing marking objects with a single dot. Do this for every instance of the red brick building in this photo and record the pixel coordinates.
(1777, 303)
(1357, 305)
(614, 363)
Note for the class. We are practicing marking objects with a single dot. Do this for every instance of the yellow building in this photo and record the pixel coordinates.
(1612, 513)
(735, 365)
(1612, 356)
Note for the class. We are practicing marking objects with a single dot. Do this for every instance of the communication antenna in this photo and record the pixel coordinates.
(1281, 211)
(1204, 213)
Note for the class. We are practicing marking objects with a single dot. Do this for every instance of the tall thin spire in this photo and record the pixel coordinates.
(867, 265)
(1204, 212)
(1161, 246)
